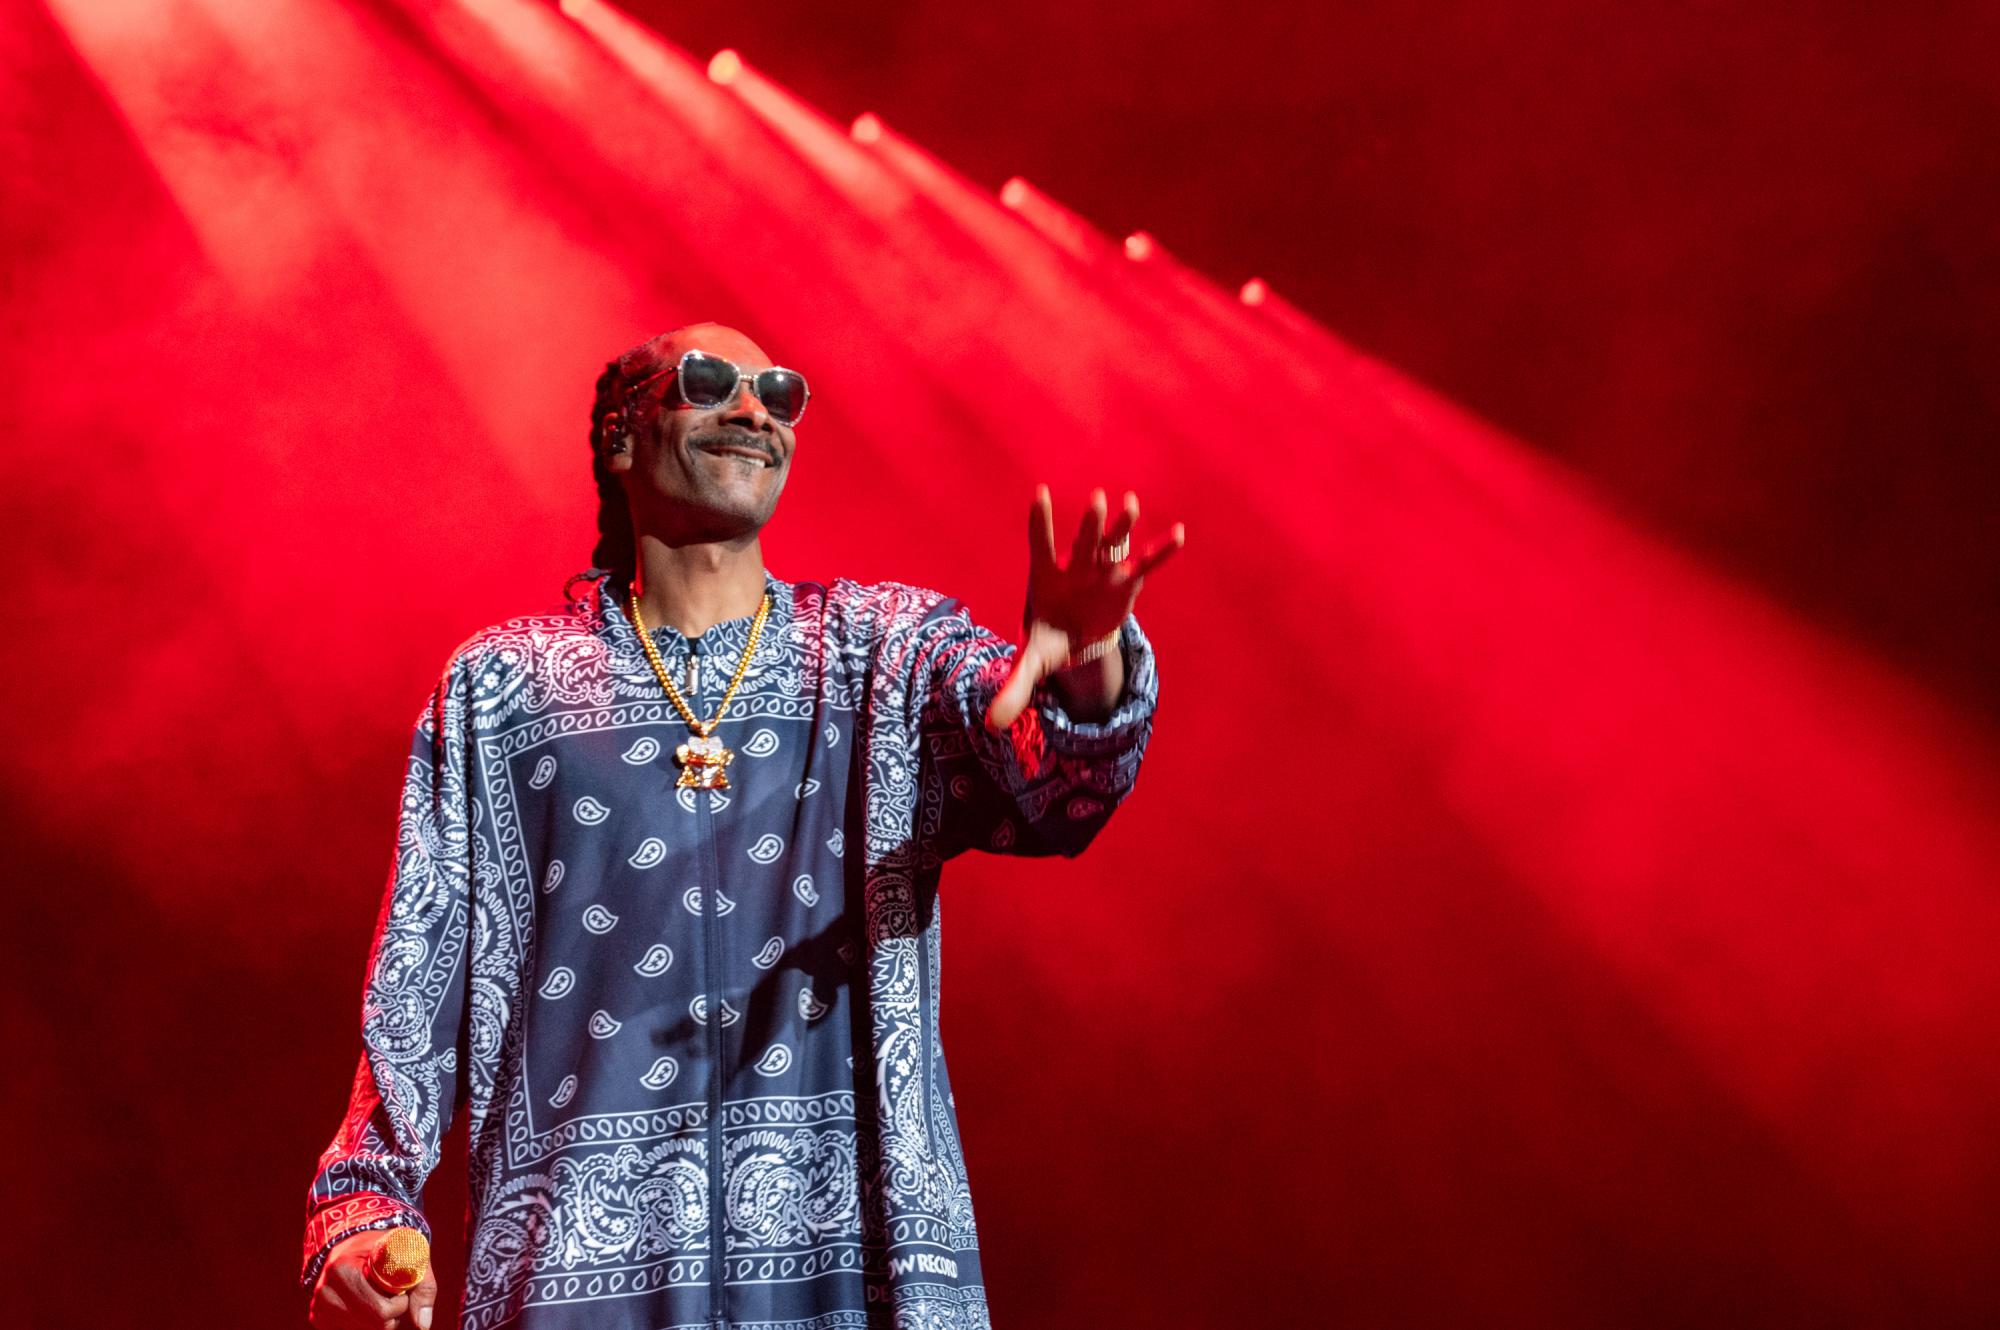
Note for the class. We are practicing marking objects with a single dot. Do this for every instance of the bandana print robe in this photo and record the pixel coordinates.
(697, 1032)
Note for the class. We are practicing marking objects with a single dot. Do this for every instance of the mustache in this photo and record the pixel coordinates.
(734, 438)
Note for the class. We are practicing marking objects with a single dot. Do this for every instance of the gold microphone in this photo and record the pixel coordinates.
(398, 1265)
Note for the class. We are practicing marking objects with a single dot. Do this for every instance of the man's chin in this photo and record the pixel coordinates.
(734, 515)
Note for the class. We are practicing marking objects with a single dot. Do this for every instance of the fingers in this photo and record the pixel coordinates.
(1088, 532)
(345, 1298)
(1093, 532)
(1041, 532)
(388, 1309)
(1123, 520)
(1161, 550)
(355, 1306)
(423, 1301)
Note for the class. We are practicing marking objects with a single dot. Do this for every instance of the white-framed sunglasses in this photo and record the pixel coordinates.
(707, 381)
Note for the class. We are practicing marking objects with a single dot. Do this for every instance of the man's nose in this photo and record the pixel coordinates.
(746, 410)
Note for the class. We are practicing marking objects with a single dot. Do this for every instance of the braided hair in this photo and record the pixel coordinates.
(617, 545)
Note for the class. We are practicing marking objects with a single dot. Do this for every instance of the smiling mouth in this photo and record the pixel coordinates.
(742, 452)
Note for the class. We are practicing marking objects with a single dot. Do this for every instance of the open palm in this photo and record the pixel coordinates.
(1071, 605)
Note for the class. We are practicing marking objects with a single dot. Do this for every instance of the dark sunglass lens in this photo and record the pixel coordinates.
(783, 394)
(707, 381)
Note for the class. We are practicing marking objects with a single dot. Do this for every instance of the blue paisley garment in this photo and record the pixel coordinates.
(697, 1031)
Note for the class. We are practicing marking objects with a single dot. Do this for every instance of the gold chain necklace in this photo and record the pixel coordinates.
(703, 757)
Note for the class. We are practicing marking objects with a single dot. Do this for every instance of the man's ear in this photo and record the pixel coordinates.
(616, 443)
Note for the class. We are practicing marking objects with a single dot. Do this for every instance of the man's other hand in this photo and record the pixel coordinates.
(346, 1299)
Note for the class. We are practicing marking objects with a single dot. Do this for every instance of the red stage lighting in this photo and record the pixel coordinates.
(574, 8)
(867, 128)
(724, 68)
(1139, 247)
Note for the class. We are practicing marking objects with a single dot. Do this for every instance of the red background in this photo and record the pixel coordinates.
(1563, 888)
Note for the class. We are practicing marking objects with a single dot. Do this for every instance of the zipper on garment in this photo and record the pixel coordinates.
(711, 969)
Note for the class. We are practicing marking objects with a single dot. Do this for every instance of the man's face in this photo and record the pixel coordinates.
(702, 474)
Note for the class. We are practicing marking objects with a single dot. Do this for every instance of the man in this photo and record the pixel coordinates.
(664, 910)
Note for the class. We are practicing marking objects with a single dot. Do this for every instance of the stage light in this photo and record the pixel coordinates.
(1254, 291)
(867, 128)
(574, 8)
(724, 68)
(1014, 193)
(1138, 247)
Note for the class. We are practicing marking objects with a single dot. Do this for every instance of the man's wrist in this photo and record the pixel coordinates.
(1089, 686)
(1093, 651)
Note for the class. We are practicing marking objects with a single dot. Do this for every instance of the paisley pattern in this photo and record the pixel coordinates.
(668, 1128)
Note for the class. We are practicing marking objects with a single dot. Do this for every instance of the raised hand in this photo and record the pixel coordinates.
(1073, 605)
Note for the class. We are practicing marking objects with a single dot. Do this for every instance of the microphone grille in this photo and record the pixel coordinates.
(400, 1260)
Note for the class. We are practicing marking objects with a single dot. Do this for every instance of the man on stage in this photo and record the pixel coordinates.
(664, 909)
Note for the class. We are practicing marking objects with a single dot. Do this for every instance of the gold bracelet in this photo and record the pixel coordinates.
(1102, 647)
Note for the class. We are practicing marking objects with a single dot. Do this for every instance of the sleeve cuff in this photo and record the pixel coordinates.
(1129, 718)
(331, 1225)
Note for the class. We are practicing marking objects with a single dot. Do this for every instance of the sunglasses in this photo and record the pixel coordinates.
(707, 381)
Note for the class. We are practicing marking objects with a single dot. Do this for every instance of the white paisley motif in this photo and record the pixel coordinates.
(803, 888)
(654, 963)
(564, 1092)
(620, 1207)
(602, 1026)
(560, 981)
(650, 852)
(769, 954)
(810, 1007)
(599, 920)
(790, 1187)
(590, 812)
(698, 1008)
(545, 771)
(767, 848)
(643, 750)
(553, 878)
(761, 744)
(691, 902)
(661, 1074)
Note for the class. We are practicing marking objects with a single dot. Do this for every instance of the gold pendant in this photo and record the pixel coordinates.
(702, 759)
